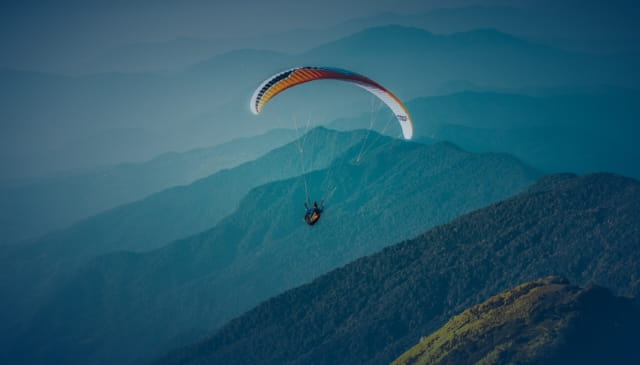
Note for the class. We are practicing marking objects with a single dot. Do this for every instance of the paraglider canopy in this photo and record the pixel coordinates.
(279, 82)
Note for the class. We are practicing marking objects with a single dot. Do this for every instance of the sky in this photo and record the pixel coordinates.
(46, 34)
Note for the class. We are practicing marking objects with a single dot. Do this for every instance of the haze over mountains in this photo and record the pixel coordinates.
(372, 310)
(32, 208)
(396, 191)
(146, 113)
(151, 222)
(568, 24)
(582, 132)
(554, 131)
(185, 51)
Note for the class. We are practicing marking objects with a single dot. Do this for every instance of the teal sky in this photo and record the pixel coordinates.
(45, 35)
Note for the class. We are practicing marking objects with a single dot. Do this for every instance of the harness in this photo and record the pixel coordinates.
(312, 216)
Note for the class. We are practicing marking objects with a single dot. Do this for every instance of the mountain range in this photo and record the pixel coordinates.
(555, 132)
(146, 216)
(150, 113)
(379, 191)
(30, 270)
(579, 132)
(37, 206)
(372, 310)
(559, 26)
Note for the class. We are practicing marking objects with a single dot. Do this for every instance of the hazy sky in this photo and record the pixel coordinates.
(38, 32)
(31, 30)
(125, 21)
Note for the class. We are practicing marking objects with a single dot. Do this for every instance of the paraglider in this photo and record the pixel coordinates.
(313, 213)
(281, 81)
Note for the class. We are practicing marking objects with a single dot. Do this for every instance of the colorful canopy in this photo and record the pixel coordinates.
(279, 82)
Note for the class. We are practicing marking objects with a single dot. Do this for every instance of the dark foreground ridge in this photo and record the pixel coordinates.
(586, 229)
(546, 321)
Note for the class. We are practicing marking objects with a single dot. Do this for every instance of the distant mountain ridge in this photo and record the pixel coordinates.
(371, 310)
(577, 133)
(38, 206)
(194, 106)
(546, 321)
(394, 191)
(481, 56)
(525, 23)
(580, 132)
